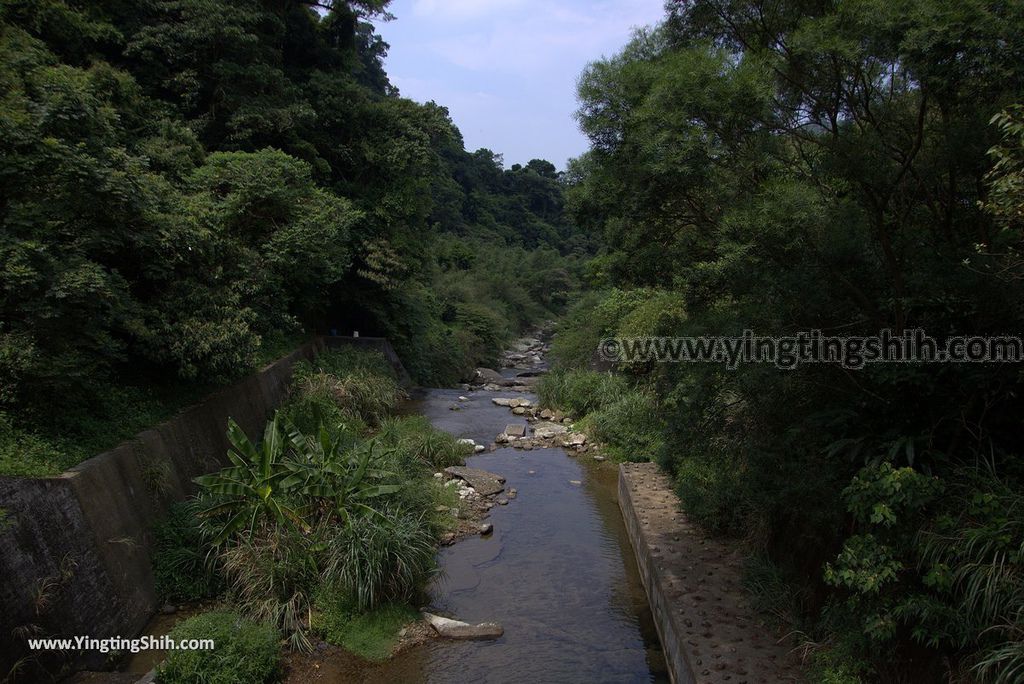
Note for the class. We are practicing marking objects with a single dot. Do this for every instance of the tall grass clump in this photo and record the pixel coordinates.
(580, 392)
(272, 576)
(183, 567)
(415, 443)
(322, 398)
(381, 558)
(974, 556)
(342, 361)
(628, 427)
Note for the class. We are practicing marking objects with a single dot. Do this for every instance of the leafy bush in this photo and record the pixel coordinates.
(297, 513)
(580, 392)
(183, 564)
(714, 491)
(251, 490)
(243, 651)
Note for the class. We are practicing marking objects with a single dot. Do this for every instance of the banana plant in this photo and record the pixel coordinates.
(326, 471)
(252, 487)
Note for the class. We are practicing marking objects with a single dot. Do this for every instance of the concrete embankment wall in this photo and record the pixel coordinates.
(75, 548)
(709, 630)
(667, 619)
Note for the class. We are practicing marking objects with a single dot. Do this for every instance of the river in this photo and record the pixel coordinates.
(557, 573)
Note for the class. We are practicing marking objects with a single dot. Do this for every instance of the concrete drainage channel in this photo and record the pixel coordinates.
(709, 631)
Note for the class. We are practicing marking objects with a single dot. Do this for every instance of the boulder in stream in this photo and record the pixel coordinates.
(483, 482)
(456, 629)
(549, 430)
(490, 376)
(515, 430)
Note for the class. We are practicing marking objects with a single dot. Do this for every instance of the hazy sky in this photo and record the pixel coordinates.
(507, 69)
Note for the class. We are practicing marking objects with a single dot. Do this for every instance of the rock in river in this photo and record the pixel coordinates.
(490, 376)
(548, 430)
(515, 430)
(455, 629)
(483, 482)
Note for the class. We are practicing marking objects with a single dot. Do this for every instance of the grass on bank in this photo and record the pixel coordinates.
(622, 418)
(244, 651)
(372, 634)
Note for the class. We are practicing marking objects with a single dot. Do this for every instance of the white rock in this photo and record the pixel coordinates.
(548, 430)
(454, 629)
(578, 439)
(478, 448)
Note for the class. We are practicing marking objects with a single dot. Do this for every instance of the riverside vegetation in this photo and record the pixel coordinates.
(191, 187)
(323, 529)
(847, 167)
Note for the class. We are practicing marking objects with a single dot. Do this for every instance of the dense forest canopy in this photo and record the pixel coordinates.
(188, 185)
(847, 167)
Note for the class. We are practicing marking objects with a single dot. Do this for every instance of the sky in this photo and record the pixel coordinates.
(507, 69)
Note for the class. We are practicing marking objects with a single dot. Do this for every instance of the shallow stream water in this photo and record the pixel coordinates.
(557, 573)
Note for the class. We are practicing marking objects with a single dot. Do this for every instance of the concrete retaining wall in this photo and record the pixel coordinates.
(75, 549)
(667, 620)
(709, 631)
